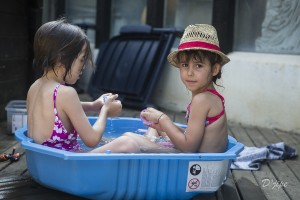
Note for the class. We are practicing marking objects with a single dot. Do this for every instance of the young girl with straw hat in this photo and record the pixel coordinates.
(199, 61)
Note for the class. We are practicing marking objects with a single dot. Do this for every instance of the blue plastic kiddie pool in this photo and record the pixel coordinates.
(127, 176)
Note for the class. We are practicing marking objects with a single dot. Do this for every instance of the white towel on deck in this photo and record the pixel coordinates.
(251, 158)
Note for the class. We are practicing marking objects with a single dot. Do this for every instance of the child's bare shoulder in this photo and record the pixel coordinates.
(201, 98)
(67, 93)
(33, 89)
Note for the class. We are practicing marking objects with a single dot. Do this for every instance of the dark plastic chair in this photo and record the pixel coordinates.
(130, 64)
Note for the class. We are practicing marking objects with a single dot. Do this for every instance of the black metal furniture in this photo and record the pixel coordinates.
(131, 63)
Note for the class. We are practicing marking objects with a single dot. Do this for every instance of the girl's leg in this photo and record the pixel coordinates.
(128, 143)
(122, 144)
(153, 133)
(141, 140)
(147, 146)
(133, 143)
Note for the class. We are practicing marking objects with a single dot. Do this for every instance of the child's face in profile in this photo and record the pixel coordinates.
(195, 72)
(77, 67)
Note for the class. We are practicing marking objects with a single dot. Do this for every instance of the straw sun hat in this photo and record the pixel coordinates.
(199, 37)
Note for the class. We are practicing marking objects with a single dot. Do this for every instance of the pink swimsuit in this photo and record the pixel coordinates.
(60, 138)
(209, 120)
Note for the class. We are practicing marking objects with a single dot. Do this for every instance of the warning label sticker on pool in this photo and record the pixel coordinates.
(206, 175)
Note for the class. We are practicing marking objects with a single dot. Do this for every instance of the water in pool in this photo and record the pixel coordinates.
(113, 131)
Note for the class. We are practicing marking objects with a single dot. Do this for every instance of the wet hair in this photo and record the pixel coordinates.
(59, 42)
(200, 55)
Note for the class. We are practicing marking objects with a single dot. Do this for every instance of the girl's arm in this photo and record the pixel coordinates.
(72, 107)
(96, 105)
(100, 123)
(190, 139)
(89, 106)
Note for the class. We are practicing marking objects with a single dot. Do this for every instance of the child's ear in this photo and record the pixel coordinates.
(60, 66)
(216, 69)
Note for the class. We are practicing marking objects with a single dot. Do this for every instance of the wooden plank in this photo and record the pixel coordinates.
(285, 177)
(239, 133)
(229, 190)
(6, 140)
(296, 136)
(19, 187)
(282, 173)
(6, 143)
(246, 181)
(219, 194)
(290, 139)
(294, 165)
(269, 135)
(205, 197)
(9, 168)
(265, 174)
(247, 185)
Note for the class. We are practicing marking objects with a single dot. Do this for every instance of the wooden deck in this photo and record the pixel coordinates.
(283, 175)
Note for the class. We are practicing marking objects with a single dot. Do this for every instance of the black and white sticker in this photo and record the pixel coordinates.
(206, 175)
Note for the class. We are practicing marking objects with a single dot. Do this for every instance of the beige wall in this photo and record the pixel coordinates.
(263, 90)
(170, 93)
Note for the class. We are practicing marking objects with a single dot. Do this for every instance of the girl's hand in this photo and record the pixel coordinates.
(152, 117)
(104, 97)
(98, 103)
(113, 106)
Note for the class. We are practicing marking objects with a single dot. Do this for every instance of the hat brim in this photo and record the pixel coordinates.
(173, 54)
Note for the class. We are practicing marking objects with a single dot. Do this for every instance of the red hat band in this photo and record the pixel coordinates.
(196, 44)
